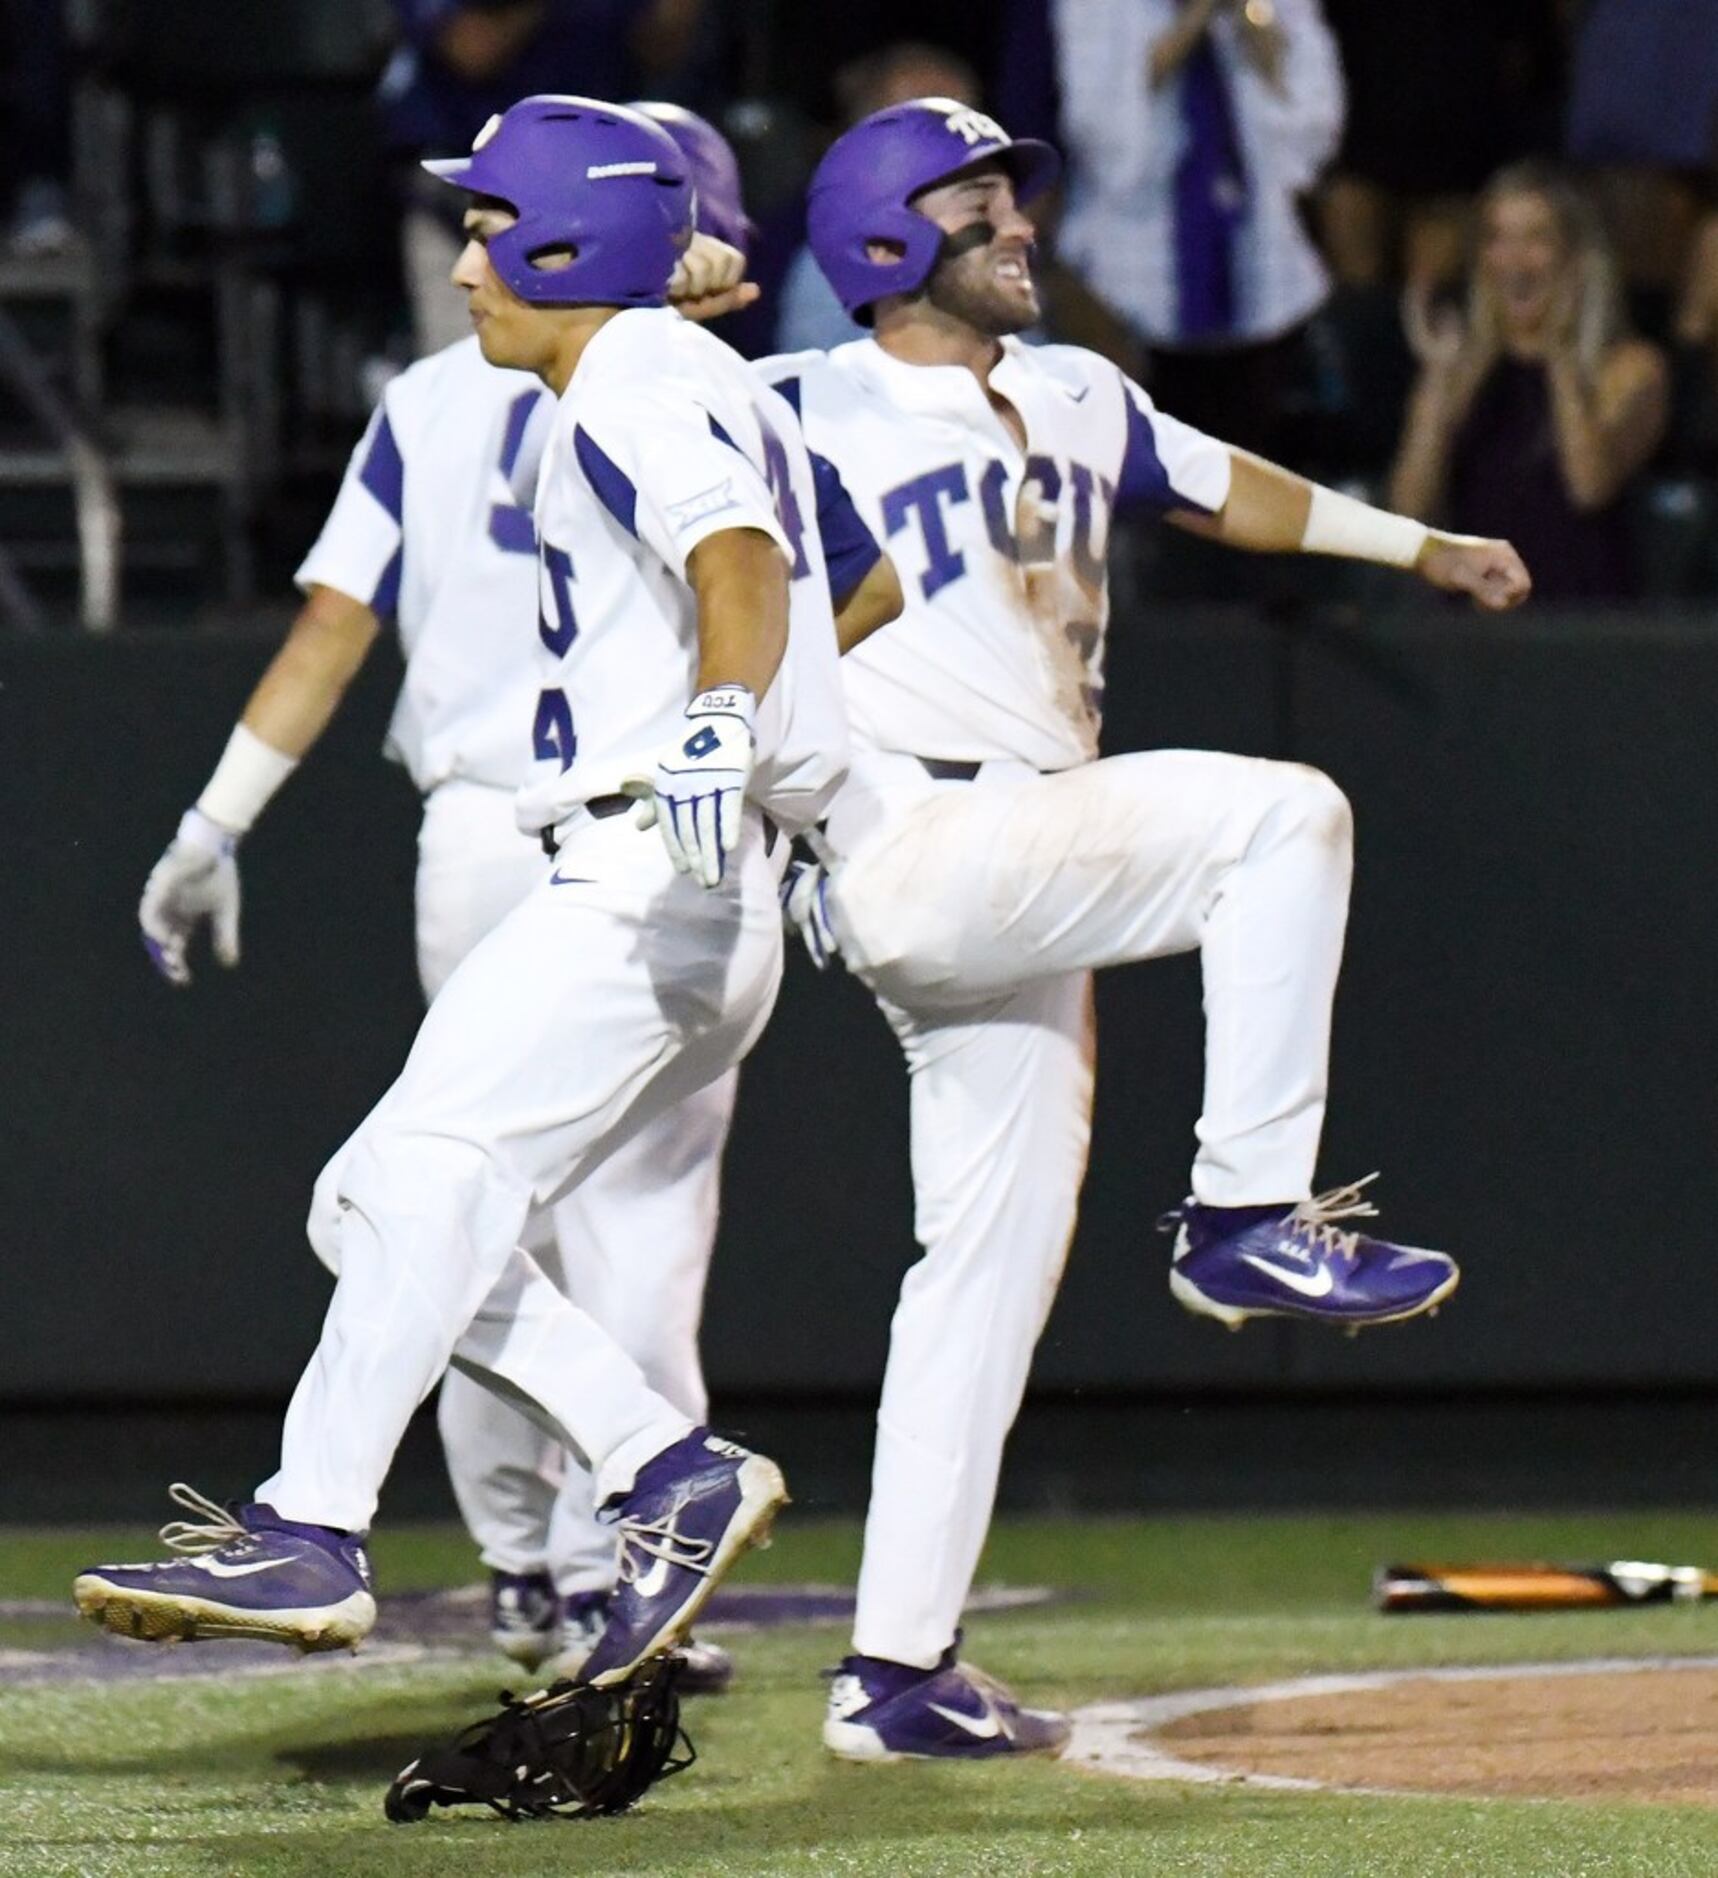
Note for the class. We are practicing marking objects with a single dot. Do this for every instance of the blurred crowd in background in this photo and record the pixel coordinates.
(1462, 253)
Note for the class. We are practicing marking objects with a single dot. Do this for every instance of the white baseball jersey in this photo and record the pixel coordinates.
(1001, 551)
(664, 437)
(427, 529)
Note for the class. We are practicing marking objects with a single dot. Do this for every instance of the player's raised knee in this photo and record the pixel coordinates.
(1319, 807)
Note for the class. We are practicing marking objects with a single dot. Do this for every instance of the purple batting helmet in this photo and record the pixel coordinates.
(595, 178)
(864, 187)
(715, 171)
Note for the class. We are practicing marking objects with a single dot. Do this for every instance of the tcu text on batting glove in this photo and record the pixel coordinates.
(196, 879)
(698, 793)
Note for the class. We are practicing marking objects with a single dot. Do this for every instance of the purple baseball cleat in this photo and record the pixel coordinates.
(882, 1711)
(1236, 1262)
(583, 1618)
(705, 1668)
(523, 1610)
(253, 1574)
(690, 1514)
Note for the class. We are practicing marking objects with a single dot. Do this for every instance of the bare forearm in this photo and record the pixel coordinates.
(1271, 511)
(1266, 510)
(309, 675)
(1593, 470)
(740, 580)
(1421, 472)
(873, 603)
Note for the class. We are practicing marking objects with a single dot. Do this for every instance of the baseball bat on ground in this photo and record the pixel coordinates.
(1532, 1587)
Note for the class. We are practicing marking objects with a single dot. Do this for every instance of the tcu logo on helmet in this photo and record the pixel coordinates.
(973, 127)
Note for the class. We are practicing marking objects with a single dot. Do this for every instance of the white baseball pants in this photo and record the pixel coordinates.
(975, 911)
(631, 1244)
(616, 990)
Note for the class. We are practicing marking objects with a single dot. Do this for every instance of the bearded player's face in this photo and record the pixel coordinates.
(984, 277)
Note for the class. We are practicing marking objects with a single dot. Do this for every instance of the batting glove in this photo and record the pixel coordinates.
(698, 794)
(196, 879)
(805, 909)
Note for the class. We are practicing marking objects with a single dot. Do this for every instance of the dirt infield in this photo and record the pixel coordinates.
(1604, 1731)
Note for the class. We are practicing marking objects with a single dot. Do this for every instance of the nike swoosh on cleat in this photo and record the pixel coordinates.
(653, 1582)
(1309, 1284)
(558, 879)
(986, 1727)
(216, 1569)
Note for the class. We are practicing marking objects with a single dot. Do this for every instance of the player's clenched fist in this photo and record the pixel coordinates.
(1490, 573)
(196, 879)
(711, 280)
(698, 794)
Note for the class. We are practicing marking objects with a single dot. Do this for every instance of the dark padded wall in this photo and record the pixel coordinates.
(1527, 1031)
(156, 1146)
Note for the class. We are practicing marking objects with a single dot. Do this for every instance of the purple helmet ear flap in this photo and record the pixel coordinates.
(514, 252)
(835, 232)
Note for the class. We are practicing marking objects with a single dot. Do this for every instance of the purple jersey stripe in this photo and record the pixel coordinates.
(384, 473)
(1143, 480)
(850, 550)
(611, 484)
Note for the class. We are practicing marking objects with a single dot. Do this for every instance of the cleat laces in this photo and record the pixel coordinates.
(642, 1539)
(214, 1531)
(1315, 1219)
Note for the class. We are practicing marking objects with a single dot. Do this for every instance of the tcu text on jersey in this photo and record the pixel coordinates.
(1001, 550)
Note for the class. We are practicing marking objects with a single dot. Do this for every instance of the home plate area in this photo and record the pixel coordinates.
(413, 1627)
(1641, 1730)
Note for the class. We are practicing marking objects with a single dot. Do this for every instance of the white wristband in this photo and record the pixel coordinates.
(249, 772)
(207, 837)
(1337, 524)
(726, 701)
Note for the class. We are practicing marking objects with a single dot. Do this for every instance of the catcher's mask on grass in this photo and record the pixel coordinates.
(570, 1752)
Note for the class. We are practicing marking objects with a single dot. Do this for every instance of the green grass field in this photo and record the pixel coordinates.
(284, 1774)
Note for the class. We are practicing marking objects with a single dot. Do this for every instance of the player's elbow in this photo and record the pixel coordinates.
(1324, 811)
(740, 565)
(886, 598)
(330, 639)
(876, 601)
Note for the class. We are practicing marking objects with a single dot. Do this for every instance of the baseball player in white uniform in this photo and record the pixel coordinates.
(428, 530)
(676, 559)
(982, 862)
